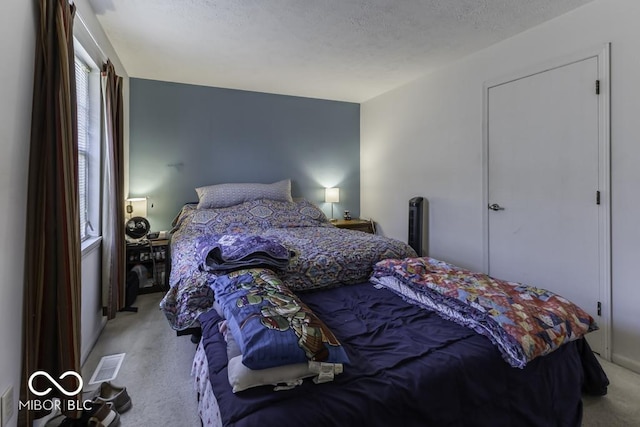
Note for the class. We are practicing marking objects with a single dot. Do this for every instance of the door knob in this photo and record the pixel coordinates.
(496, 207)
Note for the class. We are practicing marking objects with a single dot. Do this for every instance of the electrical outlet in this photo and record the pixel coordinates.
(6, 402)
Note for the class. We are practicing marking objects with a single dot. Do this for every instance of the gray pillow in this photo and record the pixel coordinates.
(225, 195)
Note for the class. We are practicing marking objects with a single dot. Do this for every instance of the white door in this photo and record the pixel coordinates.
(543, 162)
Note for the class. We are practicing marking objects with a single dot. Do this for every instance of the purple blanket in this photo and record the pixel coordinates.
(229, 252)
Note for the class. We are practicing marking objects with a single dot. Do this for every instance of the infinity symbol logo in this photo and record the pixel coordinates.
(54, 382)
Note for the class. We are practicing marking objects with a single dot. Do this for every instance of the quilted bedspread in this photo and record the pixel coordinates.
(524, 322)
(321, 255)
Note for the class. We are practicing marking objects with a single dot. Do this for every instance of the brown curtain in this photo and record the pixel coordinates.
(113, 249)
(51, 325)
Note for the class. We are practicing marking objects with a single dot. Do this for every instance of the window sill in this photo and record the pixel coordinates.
(89, 245)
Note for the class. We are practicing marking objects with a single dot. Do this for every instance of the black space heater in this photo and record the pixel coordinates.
(417, 227)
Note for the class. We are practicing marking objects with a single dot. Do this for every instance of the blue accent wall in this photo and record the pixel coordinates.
(185, 136)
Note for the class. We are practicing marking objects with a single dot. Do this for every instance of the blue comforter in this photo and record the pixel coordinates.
(410, 367)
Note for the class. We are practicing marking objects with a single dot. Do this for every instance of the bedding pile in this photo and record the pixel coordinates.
(229, 252)
(524, 322)
(270, 328)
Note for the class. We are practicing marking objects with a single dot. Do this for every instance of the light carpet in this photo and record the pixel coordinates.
(156, 369)
(621, 406)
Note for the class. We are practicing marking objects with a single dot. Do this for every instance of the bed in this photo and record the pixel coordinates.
(321, 255)
(408, 367)
(306, 324)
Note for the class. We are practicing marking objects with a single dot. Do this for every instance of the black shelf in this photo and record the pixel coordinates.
(151, 261)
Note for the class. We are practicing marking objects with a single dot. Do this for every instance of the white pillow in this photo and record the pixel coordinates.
(242, 378)
(225, 195)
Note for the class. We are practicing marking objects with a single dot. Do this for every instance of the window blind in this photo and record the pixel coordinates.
(82, 94)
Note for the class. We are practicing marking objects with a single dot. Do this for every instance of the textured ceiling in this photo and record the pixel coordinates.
(349, 50)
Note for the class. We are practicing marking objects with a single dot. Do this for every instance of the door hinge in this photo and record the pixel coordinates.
(599, 308)
(597, 87)
(597, 197)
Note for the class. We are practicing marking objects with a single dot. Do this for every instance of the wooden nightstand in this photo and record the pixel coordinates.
(366, 225)
(153, 256)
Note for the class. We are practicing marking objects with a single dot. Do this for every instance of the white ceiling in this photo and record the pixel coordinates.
(348, 50)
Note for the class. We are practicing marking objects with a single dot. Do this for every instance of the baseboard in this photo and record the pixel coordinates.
(625, 362)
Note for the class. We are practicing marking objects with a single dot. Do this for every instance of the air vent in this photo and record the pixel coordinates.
(108, 368)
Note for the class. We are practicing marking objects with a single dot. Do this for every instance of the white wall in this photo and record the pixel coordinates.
(17, 42)
(91, 319)
(425, 139)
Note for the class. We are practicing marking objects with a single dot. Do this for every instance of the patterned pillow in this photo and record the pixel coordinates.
(224, 195)
(270, 324)
(242, 378)
(301, 213)
(232, 219)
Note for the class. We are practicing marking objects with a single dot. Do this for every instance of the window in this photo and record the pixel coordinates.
(82, 94)
(89, 134)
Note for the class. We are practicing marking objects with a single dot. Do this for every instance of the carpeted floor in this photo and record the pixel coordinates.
(157, 367)
(621, 406)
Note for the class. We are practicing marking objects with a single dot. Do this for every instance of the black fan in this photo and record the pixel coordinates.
(137, 228)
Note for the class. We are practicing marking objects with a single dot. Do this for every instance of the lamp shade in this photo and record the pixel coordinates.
(332, 195)
(136, 206)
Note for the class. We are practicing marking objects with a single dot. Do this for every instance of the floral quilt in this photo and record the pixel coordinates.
(320, 254)
(524, 322)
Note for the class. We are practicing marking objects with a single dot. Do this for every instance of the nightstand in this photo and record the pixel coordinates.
(151, 259)
(366, 225)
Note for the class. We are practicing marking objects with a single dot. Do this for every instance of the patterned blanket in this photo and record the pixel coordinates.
(524, 322)
(318, 254)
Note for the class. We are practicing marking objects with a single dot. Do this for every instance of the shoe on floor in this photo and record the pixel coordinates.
(104, 416)
(99, 414)
(111, 393)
